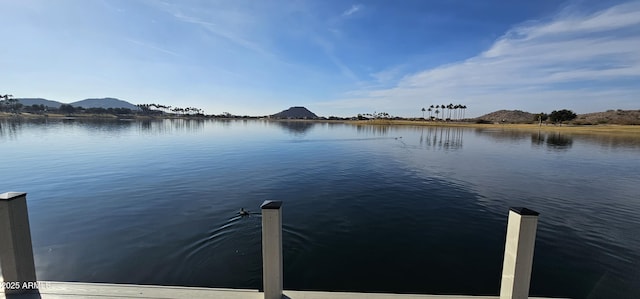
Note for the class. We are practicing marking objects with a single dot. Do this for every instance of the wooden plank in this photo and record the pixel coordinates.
(55, 290)
(61, 290)
(347, 295)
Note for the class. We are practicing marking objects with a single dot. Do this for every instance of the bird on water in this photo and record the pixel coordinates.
(243, 212)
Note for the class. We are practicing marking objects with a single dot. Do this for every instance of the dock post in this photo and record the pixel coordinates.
(16, 252)
(272, 249)
(518, 253)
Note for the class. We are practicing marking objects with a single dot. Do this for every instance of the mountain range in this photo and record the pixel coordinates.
(86, 103)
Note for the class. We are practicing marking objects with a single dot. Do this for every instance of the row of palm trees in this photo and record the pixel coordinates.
(376, 115)
(9, 103)
(452, 110)
(169, 109)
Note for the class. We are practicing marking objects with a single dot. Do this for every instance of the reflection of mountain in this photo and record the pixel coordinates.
(501, 135)
(11, 129)
(447, 138)
(296, 127)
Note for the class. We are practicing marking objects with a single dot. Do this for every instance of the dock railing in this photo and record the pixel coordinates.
(16, 251)
(18, 269)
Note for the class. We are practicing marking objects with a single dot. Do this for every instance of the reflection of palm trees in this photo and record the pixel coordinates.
(443, 138)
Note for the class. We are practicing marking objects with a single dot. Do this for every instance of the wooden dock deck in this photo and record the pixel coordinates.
(60, 290)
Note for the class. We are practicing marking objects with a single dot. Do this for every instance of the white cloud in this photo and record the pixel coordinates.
(354, 8)
(573, 61)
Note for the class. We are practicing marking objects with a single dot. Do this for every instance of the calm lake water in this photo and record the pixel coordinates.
(366, 208)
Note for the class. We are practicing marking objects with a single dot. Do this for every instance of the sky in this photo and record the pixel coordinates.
(335, 57)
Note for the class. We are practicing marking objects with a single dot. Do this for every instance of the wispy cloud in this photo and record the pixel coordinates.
(560, 63)
(236, 26)
(353, 9)
(150, 46)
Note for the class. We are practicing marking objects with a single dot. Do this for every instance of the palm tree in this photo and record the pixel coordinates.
(430, 111)
(437, 111)
(455, 111)
(423, 110)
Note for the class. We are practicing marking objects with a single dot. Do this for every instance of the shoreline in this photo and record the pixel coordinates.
(565, 128)
(605, 128)
(585, 129)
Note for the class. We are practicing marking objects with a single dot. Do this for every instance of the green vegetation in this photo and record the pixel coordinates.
(9, 104)
(562, 116)
(159, 109)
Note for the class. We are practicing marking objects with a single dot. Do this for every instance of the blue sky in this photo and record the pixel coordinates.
(334, 57)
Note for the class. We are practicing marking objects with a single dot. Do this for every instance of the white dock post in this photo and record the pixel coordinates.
(16, 252)
(518, 253)
(272, 249)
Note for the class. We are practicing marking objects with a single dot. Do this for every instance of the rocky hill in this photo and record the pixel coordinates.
(295, 113)
(618, 117)
(508, 116)
(39, 101)
(104, 103)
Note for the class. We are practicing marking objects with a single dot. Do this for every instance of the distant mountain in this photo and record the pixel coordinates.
(295, 113)
(509, 116)
(621, 117)
(104, 103)
(39, 101)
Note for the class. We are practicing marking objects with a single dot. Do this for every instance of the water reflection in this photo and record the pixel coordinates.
(10, 129)
(167, 126)
(552, 140)
(499, 135)
(297, 128)
(108, 126)
(375, 130)
(561, 141)
(447, 138)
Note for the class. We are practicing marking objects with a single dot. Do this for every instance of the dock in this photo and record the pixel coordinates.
(20, 282)
(60, 290)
